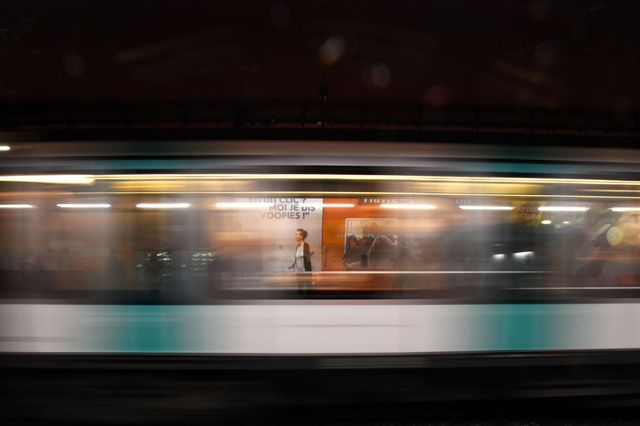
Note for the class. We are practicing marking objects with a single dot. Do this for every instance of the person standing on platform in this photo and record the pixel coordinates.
(302, 262)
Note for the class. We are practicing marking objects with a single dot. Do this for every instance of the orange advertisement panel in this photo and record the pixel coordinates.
(334, 228)
(377, 237)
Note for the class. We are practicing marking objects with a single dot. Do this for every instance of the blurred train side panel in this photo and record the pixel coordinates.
(318, 329)
(458, 252)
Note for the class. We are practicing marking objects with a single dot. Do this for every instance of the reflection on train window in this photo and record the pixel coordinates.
(213, 247)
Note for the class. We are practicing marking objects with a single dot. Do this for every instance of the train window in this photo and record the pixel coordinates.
(451, 247)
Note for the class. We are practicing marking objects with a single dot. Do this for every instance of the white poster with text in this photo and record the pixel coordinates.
(272, 222)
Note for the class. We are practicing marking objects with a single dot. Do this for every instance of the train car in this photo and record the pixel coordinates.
(416, 251)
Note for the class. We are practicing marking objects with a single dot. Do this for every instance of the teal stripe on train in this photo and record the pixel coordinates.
(266, 328)
(144, 329)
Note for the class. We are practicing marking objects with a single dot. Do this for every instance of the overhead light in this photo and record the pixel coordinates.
(337, 205)
(486, 207)
(243, 205)
(522, 254)
(84, 206)
(16, 206)
(408, 206)
(562, 209)
(5, 148)
(625, 209)
(566, 222)
(498, 256)
(249, 205)
(63, 179)
(163, 205)
(546, 222)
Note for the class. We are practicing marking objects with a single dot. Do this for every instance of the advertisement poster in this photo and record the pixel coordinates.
(273, 222)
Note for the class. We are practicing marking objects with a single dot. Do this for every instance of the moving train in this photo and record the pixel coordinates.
(416, 249)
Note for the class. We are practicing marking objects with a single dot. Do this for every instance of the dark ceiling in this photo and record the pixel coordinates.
(100, 60)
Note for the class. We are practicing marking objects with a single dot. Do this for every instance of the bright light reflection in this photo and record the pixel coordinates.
(563, 209)
(84, 206)
(408, 206)
(5, 148)
(243, 205)
(522, 254)
(337, 205)
(625, 209)
(63, 179)
(498, 256)
(16, 206)
(546, 222)
(486, 207)
(163, 205)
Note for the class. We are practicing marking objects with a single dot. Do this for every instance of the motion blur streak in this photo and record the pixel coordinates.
(357, 177)
(338, 205)
(486, 208)
(241, 205)
(562, 209)
(16, 206)
(408, 206)
(84, 206)
(60, 179)
(163, 205)
(625, 209)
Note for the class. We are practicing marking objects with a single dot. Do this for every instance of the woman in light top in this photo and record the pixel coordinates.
(302, 262)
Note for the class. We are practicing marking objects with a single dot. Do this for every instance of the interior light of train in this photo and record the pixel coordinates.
(408, 206)
(522, 254)
(16, 206)
(249, 205)
(486, 207)
(546, 222)
(338, 205)
(243, 205)
(625, 209)
(84, 206)
(562, 209)
(283, 176)
(5, 148)
(61, 179)
(163, 205)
